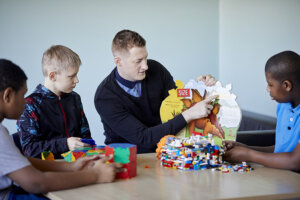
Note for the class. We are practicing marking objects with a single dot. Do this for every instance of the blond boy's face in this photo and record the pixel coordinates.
(66, 80)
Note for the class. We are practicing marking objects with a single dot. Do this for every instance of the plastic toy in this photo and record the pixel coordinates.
(88, 141)
(126, 154)
(47, 155)
(71, 156)
(192, 153)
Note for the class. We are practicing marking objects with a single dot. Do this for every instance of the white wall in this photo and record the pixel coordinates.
(182, 35)
(251, 31)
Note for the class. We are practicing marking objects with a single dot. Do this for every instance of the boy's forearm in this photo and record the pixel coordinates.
(268, 149)
(46, 165)
(64, 180)
(35, 181)
(275, 160)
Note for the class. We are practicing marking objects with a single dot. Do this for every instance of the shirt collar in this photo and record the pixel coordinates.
(126, 83)
(294, 110)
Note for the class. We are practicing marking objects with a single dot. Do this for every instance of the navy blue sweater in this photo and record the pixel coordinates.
(136, 120)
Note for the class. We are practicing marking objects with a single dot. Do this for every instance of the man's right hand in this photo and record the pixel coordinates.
(199, 110)
(105, 172)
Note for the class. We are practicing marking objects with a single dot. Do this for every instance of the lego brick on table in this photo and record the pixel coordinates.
(47, 155)
(124, 153)
(71, 156)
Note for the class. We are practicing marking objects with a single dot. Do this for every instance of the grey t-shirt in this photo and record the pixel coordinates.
(10, 160)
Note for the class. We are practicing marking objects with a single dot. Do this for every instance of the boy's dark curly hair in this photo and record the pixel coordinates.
(284, 66)
(11, 75)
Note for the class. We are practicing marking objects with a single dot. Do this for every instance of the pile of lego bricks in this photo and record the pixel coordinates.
(124, 153)
(226, 168)
(192, 153)
(71, 156)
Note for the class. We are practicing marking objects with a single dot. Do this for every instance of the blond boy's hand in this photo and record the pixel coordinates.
(106, 172)
(209, 80)
(74, 142)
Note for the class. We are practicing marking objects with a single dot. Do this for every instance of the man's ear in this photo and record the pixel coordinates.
(117, 61)
(7, 95)
(287, 85)
(52, 76)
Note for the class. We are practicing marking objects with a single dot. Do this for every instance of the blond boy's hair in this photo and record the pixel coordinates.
(58, 58)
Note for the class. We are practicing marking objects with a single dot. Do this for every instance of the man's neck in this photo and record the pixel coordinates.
(123, 81)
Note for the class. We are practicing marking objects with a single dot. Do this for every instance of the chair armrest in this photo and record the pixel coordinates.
(256, 137)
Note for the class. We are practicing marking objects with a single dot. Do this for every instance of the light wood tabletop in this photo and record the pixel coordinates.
(157, 182)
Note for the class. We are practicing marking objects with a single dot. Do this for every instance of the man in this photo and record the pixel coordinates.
(128, 100)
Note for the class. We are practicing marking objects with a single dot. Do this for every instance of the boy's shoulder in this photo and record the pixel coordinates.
(75, 95)
(36, 97)
(286, 109)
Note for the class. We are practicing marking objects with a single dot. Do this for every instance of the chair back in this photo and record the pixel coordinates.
(17, 141)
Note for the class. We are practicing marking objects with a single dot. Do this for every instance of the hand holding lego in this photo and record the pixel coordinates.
(199, 110)
(209, 80)
(237, 154)
(105, 172)
(84, 162)
(75, 142)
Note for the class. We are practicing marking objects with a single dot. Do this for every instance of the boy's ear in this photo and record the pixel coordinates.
(287, 85)
(7, 95)
(52, 76)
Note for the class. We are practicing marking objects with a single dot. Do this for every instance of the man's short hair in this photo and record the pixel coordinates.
(59, 58)
(126, 39)
(284, 66)
(11, 75)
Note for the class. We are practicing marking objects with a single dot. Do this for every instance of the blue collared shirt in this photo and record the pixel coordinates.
(132, 88)
(287, 128)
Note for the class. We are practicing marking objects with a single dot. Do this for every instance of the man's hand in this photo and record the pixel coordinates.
(74, 142)
(209, 80)
(199, 110)
(105, 172)
(237, 154)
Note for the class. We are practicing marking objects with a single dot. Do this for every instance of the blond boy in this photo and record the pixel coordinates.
(53, 119)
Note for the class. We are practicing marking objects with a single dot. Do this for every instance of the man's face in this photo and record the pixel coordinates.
(66, 80)
(276, 89)
(132, 65)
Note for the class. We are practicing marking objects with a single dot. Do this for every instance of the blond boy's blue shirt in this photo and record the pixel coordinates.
(287, 128)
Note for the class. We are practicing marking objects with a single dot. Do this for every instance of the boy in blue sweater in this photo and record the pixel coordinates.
(53, 119)
(283, 76)
(31, 174)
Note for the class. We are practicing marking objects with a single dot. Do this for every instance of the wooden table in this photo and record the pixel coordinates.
(157, 182)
